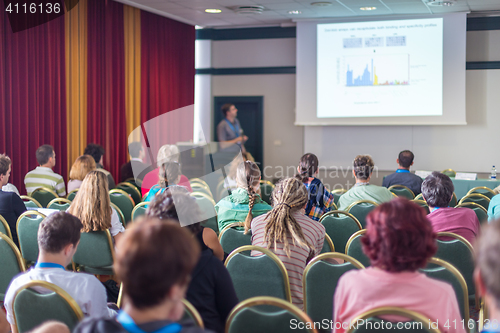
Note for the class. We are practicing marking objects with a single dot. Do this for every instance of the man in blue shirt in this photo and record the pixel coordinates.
(403, 176)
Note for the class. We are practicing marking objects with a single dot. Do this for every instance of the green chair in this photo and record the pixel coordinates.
(27, 234)
(354, 249)
(32, 308)
(449, 172)
(29, 202)
(419, 197)
(233, 237)
(200, 188)
(120, 214)
(11, 261)
(453, 201)
(488, 192)
(139, 209)
(327, 245)
(4, 227)
(340, 226)
(199, 181)
(131, 190)
(71, 195)
(402, 191)
(123, 200)
(132, 181)
(320, 280)
(266, 190)
(337, 194)
(44, 195)
(190, 312)
(360, 210)
(95, 253)
(481, 212)
(263, 275)
(61, 204)
(480, 199)
(268, 315)
(207, 208)
(423, 204)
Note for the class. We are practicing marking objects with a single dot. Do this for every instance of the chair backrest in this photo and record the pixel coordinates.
(190, 312)
(4, 227)
(207, 208)
(402, 191)
(27, 234)
(447, 273)
(449, 172)
(263, 275)
(31, 308)
(71, 195)
(423, 204)
(480, 199)
(340, 226)
(95, 250)
(337, 194)
(370, 319)
(11, 261)
(123, 200)
(453, 201)
(201, 188)
(61, 204)
(29, 202)
(44, 195)
(320, 281)
(419, 197)
(360, 209)
(131, 190)
(481, 212)
(198, 181)
(233, 237)
(354, 249)
(328, 245)
(120, 214)
(268, 315)
(482, 190)
(139, 209)
(266, 190)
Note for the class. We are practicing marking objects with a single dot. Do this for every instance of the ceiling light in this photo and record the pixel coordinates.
(213, 11)
(294, 12)
(368, 8)
(321, 4)
(440, 2)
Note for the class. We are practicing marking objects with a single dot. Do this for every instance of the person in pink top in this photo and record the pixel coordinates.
(437, 190)
(399, 240)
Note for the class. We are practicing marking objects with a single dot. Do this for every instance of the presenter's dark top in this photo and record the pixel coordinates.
(227, 131)
(11, 207)
(406, 178)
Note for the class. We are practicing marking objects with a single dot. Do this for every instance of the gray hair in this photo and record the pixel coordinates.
(437, 189)
(167, 153)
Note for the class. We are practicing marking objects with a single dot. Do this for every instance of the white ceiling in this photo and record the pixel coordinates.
(276, 11)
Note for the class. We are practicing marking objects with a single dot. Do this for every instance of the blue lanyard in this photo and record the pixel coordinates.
(237, 132)
(434, 209)
(130, 326)
(48, 265)
(402, 170)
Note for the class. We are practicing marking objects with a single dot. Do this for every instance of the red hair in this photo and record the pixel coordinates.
(399, 237)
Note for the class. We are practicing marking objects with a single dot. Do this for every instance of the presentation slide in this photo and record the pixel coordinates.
(380, 69)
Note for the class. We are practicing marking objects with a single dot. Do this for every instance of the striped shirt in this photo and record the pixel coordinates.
(314, 233)
(44, 177)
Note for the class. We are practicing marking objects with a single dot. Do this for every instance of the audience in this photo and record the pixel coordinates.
(320, 200)
(58, 238)
(135, 168)
(363, 166)
(399, 240)
(494, 208)
(169, 176)
(153, 260)
(437, 190)
(403, 176)
(10, 188)
(244, 203)
(82, 166)
(230, 180)
(211, 290)
(167, 153)
(97, 152)
(43, 176)
(11, 205)
(93, 206)
(293, 237)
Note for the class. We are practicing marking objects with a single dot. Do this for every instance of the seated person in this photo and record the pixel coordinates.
(11, 205)
(135, 168)
(43, 176)
(288, 233)
(152, 290)
(58, 238)
(169, 176)
(244, 203)
(97, 152)
(362, 170)
(399, 240)
(211, 290)
(403, 176)
(494, 207)
(320, 200)
(82, 166)
(437, 190)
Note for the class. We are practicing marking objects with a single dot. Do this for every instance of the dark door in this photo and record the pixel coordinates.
(250, 115)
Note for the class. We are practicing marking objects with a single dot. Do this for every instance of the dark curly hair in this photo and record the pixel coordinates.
(363, 166)
(94, 150)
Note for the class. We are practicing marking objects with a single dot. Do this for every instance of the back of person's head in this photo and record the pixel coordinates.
(363, 166)
(288, 197)
(399, 237)
(92, 204)
(94, 150)
(167, 153)
(169, 174)
(57, 231)
(225, 108)
(4, 164)
(134, 149)
(43, 153)
(405, 158)
(175, 203)
(488, 261)
(308, 165)
(248, 177)
(437, 189)
(82, 166)
(152, 257)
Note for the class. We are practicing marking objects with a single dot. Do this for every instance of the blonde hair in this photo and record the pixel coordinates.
(248, 177)
(289, 196)
(167, 153)
(92, 205)
(82, 166)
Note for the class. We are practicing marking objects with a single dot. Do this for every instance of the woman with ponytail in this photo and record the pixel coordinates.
(319, 199)
(293, 237)
(244, 203)
(169, 175)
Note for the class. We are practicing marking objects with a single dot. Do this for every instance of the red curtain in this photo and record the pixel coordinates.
(32, 95)
(106, 116)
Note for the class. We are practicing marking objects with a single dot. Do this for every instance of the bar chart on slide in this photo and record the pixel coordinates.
(377, 70)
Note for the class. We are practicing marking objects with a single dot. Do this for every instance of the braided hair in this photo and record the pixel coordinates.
(308, 166)
(248, 177)
(169, 173)
(289, 196)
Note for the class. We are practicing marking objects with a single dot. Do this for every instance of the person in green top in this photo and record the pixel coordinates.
(244, 203)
